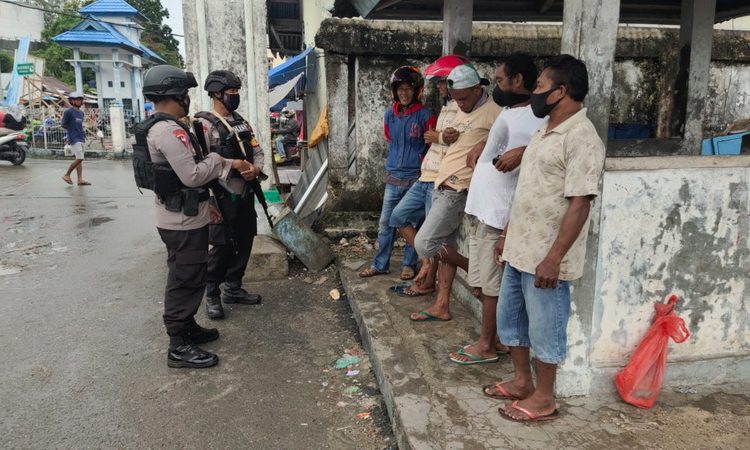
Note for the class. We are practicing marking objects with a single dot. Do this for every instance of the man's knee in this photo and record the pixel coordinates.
(426, 248)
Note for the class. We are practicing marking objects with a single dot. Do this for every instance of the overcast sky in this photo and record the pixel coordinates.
(175, 21)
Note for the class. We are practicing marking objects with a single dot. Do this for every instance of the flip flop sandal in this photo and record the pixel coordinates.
(370, 272)
(504, 393)
(67, 180)
(531, 417)
(411, 293)
(473, 359)
(85, 183)
(407, 273)
(427, 318)
(399, 288)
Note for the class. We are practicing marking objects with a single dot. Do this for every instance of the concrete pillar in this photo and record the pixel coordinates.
(116, 76)
(337, 74)
(234, 34)
(77, 69)
(99, 85)
(117, 126)
(589, 32)
(457, 19)
(702, 24)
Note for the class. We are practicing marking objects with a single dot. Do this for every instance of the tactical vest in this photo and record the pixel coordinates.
(160, 177)
(229, 147)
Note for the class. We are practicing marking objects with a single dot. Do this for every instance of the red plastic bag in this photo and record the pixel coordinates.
(640, 381)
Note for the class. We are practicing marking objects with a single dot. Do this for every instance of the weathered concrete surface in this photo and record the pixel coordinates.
(82, 274)
(681, 230)
(268, 260)
(435, 404)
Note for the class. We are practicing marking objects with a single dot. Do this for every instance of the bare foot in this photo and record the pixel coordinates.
(508, 390)
(424, 272)
(536, 406)
(473, 350)
(432, 313)
(501, 348)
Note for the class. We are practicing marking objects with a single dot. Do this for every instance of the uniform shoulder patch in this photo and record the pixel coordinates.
(182, 136)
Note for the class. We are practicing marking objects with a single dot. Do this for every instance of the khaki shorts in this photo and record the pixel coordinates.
(483, 272)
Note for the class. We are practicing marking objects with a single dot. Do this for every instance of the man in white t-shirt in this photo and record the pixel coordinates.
(491, 193)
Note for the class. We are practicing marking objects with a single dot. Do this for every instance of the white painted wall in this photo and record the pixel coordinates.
(17, 22)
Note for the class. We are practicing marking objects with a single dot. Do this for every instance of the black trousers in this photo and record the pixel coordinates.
(187, 255)
(240, 223)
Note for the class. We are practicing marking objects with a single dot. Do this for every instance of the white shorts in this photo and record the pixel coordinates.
(483, 272)
(77, 150)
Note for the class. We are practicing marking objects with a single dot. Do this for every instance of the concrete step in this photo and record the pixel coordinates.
(436, 404)
(268, 260)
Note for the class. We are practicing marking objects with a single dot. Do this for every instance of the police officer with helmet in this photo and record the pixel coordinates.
(168, 160)
(229, 135)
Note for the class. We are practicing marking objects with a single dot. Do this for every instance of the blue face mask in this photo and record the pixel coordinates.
(539, 105)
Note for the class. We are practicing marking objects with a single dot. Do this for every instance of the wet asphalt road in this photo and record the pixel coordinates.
(83, 348)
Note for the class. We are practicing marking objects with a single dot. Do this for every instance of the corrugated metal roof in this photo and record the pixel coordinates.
(109, 6)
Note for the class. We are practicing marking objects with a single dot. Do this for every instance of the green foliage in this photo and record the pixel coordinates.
(155, 36)
(6, 61)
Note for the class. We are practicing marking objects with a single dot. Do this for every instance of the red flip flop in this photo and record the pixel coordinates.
(531, 417)
(504, 393)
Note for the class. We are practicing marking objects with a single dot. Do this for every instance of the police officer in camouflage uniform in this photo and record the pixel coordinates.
(168, 160)
(230, 136)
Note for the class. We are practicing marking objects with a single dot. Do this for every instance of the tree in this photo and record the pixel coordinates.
(54, 54)
(6, 61)
(63, 15)
(156, 35)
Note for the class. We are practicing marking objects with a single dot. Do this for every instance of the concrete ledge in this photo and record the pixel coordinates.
(676, 162)
(268, 260)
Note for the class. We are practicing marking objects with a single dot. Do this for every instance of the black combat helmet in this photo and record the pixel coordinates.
(221, 80)
(164, 80)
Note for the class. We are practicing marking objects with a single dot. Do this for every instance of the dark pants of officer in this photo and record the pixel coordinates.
(223, 263)
(187, 254)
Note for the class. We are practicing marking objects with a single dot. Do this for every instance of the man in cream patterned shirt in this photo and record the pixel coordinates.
(545, 245)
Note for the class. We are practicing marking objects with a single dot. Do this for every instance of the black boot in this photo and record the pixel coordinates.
(184, 353)
(199, 335)
(233, 293)
(213, 301)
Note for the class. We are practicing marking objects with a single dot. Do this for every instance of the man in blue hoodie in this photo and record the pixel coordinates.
(404, 125)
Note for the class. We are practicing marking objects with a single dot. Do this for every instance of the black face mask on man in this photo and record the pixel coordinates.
(539, 105)
(231, 101)
(508, 98)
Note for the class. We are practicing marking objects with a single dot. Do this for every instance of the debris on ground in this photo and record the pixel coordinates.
(334, 294)
(351, 390)
(346, 361)
(352, 373)
(685, 390)
(320, 280)
(362, 416)
(357, 244)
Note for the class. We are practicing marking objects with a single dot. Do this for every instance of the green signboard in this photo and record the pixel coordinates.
(25, 69)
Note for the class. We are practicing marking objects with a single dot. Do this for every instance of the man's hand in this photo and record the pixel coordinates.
(473, 156)
(546, 273)
(214, 214)
(497, 252)
(450, 135)
(510, 159)
(250, 173)
(431, 136)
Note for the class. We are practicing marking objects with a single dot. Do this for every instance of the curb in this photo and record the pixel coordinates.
(58, 153)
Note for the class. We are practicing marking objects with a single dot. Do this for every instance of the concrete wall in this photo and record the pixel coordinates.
(16, 22)
(667, 225)
(370, 50)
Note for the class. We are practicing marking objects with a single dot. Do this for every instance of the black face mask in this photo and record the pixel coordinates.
(539, 105)
(231, 101)
(508, 98)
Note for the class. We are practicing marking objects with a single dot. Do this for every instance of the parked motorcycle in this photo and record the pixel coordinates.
(13, 148)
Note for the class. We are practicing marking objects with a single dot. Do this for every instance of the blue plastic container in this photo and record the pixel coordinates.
(723, 145)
